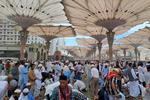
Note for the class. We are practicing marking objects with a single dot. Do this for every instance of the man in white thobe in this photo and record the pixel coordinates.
(94, 86)
(38, 82)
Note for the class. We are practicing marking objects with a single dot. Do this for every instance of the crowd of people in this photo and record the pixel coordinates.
(76, 80)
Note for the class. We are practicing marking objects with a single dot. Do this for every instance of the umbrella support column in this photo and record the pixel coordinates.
(23, 40)
(110, 38)
(136, 54)
(47, 48)
(139, 55)
(136, 51)
(116, 54)
(99, 49)
(124, 53)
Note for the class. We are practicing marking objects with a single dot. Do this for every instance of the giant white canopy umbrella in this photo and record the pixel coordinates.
(135, 40)
(90, 42)
(86, 41)
(123, 47)
(49, 32)
(113, 15)
(92, 53)
(145, 35)
(97, 33)
(29, 12)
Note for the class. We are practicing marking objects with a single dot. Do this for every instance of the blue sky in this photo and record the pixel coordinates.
(133, 30)
(72, 40)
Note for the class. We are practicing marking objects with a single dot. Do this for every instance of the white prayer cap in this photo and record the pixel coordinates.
(36, 63)
(28, 84)
(26, 90)
(93, 65)
(40, 65)
(76, 62)
(42, 62)
(17, 91)
(92, 62)
(106, 64)
(27, 64)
